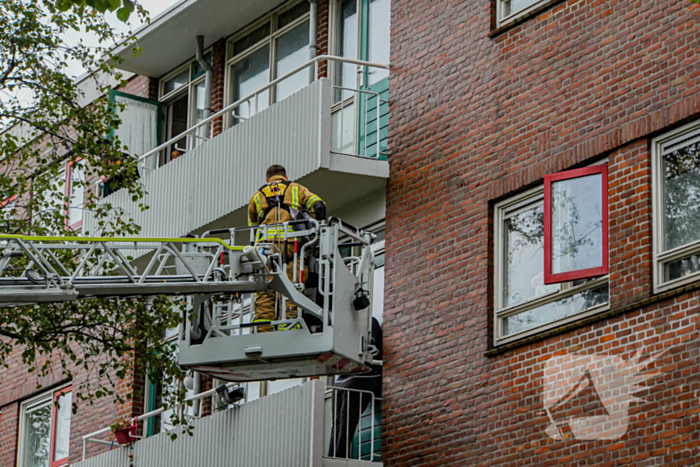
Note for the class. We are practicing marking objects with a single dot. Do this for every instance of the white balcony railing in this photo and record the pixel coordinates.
(289, 428)
(253, 101)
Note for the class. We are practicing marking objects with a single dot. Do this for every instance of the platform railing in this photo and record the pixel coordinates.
(254, 97)
(353, 413)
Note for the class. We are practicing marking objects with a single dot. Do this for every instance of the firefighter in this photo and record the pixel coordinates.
(280, 200)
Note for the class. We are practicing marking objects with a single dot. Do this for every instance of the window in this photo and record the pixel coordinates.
(64, 195)
(269, 49)
(361, 30)
(508, 10)
(182, 94)
(524, 304)
(45, 430)
(576, 224)
(75, 191)
(676, 207)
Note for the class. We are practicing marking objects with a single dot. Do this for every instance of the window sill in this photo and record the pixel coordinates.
(676, 283)
(511, 23)
(587, 321)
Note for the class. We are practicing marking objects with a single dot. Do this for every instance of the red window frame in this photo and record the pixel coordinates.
(54, 418)
(549, 277)
(69, 187)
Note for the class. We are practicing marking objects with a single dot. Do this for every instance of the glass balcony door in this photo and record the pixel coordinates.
(362, 31)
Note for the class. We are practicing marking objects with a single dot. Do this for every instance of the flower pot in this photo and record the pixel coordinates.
(126, 435)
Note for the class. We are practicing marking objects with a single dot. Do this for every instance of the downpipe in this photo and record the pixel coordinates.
(208, 86)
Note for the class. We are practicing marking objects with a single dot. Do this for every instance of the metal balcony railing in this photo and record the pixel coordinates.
(253, 98)
(355, 429)
(286, 428)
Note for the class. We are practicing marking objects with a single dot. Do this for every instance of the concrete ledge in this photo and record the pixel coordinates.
(349, 463)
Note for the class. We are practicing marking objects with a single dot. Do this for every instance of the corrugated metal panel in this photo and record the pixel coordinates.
(118, 457)
(219, 176)
(283, 429)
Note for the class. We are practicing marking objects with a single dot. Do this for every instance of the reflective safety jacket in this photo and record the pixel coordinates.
(272, 203)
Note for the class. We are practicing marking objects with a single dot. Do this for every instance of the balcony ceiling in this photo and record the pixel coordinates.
(170, 38)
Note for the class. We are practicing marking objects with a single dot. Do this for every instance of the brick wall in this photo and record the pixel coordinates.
(322, 37)
(475, 119)
(217, 95)
(9, 417)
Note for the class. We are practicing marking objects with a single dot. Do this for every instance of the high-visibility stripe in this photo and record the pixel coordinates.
(312, 199)
(273, 233)
(261, 213)
(295, 196)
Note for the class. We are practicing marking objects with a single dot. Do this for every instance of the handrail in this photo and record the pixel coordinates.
(146, 416)
(27, 238)
(315, 62)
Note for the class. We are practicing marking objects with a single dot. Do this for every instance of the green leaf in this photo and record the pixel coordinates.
(124, 12)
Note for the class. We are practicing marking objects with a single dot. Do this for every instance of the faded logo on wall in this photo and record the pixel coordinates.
(605, 380)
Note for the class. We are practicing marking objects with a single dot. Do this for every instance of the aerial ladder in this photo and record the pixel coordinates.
(219, 277)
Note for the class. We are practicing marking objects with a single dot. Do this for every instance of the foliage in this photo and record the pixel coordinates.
(50, 126)
(119, 425)
(124, 8)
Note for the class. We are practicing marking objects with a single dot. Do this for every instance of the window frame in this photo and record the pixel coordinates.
(678, 138)
(502, 20)
(69, 186)
(166, 99)
(38, 401)
(566, 290)
(270, 40)
(549, 276)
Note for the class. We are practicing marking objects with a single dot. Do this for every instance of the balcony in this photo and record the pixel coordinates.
(209, 186)
(291, 428)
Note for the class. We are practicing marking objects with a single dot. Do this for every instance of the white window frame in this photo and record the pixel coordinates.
(40, 400)
(189, 87)
(567, 289)
(681, 137)
(270, 41)
(502, 20)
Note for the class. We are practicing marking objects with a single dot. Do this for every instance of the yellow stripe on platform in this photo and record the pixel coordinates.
(122, 240)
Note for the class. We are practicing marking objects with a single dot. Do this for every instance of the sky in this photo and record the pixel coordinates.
(154, 8)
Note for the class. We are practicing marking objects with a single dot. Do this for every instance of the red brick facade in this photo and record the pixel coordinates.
(475, 118)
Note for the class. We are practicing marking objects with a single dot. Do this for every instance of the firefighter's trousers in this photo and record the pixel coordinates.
(268, 306)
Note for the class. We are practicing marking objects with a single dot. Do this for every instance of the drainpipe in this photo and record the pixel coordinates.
(313, 31)
(208, 85)
(197, 389)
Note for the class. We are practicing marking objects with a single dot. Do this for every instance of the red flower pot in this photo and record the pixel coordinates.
(126, 435)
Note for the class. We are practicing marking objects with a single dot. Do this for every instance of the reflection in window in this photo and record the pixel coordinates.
(76, 195)
(511, 7)
(176, 82)
(292, 52)
(249, 75)
(577, 214)
(62, 436)
(345, 73)
(379, 38)
(37, 436)
(45, 430)
(524, 256)
(523, 301)
(681, 170)
(555, 311)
